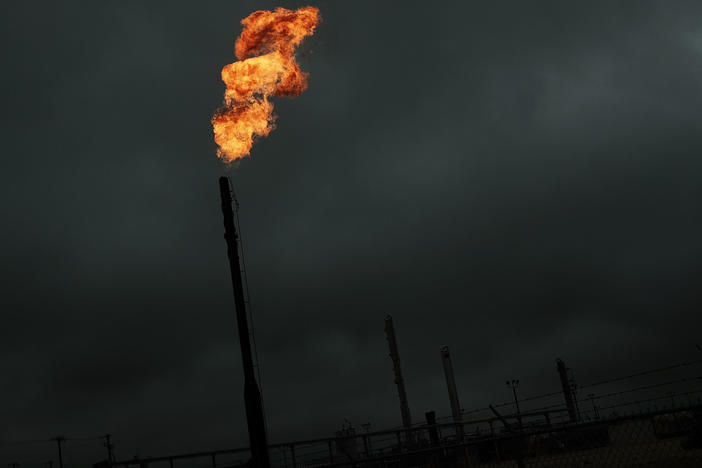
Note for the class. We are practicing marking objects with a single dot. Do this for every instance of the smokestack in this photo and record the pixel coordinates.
(399, 381)
(452, 392)
(567, 392)
(252, 395)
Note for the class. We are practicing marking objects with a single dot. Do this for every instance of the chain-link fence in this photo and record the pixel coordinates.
(665, 438)
(624, 421)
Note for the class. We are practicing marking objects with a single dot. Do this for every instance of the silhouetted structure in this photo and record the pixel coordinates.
(60, 440)
(110, 448)
(432, 428)
(252, 395)
(513, 384)
(567, 391)
(399, 381)
(671, 436)
(451, 386)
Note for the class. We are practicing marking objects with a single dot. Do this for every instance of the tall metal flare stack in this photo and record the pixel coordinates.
(252, 395)
(399, 381)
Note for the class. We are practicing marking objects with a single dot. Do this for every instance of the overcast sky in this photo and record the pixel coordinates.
(520, 181)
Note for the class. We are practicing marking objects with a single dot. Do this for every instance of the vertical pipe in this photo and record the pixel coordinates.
(431, 427)
(567, 393)
(109, 446)
(399, 381)
(59, 440)
(252, 395)
(452, 392)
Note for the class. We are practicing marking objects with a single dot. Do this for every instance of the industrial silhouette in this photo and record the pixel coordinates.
(658, 422)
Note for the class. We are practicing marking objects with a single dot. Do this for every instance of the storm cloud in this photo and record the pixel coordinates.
(520, 181)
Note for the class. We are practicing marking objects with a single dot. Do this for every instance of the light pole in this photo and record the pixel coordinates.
(513, 384)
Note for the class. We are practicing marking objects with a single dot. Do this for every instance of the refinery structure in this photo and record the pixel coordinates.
(654, 424)
(649, 418)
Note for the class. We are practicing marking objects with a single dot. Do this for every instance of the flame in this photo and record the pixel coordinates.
(266, 67)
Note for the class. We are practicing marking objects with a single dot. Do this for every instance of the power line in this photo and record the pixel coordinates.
(648, 400)
(249, 307)
(25, 442)
(639, 374)
(631, 390)
(45, 441)
(602, 382)
(647, 387)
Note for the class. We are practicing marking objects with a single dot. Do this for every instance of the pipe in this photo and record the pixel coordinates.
(252, 395)
(399, 381)
(452, 392)
(567, 391)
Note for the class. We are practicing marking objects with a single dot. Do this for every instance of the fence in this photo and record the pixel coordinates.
(666, 438)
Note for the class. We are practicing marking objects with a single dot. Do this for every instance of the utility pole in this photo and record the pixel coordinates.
(452, 392)
(513, 384)
(399, 381)
(109, 446)
(252, 395)
(60, 440)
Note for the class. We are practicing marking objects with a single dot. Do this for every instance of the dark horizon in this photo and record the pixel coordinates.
(519, 182)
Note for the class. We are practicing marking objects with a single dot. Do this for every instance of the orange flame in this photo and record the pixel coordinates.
(266, 67)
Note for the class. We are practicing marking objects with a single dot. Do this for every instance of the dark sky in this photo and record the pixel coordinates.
(518, 180)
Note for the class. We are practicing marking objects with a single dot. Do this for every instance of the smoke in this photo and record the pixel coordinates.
(266, 67)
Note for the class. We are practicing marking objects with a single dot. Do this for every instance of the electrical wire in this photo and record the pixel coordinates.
(249, 307)
(639, 374)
